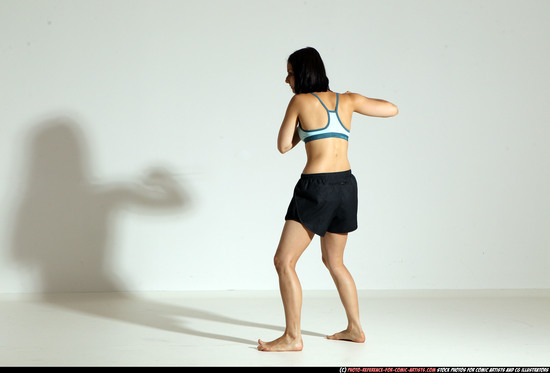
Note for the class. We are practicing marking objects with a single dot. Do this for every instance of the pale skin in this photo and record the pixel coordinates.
(324, 155)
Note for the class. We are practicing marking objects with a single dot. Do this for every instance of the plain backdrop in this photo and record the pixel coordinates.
(138, 142)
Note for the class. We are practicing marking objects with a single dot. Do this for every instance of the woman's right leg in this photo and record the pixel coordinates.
(294, 240)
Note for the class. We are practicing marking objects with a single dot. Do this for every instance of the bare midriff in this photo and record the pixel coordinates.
(327, 155)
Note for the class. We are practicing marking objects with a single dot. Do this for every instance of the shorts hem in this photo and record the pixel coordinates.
(306, 227)
(343, 232)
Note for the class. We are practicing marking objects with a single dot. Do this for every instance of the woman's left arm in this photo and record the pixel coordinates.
(288, 133)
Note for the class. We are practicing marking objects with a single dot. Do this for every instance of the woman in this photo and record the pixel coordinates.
(325, 197)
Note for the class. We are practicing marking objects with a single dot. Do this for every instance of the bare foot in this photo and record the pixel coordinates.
(349, 335)
(283, 343)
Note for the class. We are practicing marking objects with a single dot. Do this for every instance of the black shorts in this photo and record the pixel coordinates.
(325, 202)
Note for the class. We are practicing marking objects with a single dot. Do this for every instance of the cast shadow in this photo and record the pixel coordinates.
(64, 232)
(169, 316)
(65, 223)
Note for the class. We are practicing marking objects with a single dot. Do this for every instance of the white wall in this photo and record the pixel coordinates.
(96, 95)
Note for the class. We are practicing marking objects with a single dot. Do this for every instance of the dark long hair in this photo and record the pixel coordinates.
(309, 71)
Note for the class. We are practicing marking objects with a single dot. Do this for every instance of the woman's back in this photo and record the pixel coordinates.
(316, 112)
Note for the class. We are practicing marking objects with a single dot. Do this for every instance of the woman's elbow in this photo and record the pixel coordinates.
(283, 149)
(390, 110)
(284, 146)
(394, 110)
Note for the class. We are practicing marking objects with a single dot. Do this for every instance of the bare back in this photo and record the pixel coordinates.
(306, 112)
(327, 154)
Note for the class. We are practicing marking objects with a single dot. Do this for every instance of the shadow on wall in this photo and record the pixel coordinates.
(63, 231)
(64, 222)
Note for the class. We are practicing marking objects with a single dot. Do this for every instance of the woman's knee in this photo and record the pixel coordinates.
(332, 264)
(283, 263)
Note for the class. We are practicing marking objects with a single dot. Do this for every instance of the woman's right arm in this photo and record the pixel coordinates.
(372, 107)
(288, 133)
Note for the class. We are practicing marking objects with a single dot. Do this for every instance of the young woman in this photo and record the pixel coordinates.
(325, 197)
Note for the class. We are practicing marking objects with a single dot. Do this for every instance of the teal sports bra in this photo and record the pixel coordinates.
(334, 127)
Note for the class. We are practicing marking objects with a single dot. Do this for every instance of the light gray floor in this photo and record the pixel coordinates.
(416, 328)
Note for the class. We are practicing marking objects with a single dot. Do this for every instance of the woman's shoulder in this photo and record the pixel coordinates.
(350, 98)
(302, 99)
(348, 95)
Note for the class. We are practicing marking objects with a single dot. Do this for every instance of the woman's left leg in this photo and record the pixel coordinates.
(332, 248)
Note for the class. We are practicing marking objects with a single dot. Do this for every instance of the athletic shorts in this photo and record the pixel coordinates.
(325, 202)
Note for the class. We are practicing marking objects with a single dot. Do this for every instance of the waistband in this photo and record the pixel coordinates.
(327, 176)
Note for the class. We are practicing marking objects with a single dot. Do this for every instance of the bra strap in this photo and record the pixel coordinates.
(322, 103)
(337, 98)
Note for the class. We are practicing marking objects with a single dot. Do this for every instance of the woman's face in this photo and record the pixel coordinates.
(290, 77)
